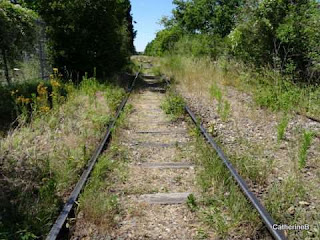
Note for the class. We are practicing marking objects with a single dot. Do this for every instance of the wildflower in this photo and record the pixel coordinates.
(26, 100)
(41, 89)
(44, 109)
(55, 83)
(55, 70)
(19, 99)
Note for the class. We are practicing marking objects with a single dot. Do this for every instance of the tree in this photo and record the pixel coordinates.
(282, 33)
(163, 42)
(215, 17)
(17, 33)
(88, 34)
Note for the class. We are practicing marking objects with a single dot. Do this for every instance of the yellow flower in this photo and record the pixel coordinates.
(19, 99)
(44, 109)
(26, 100)
(41, 89)
(55, 70)
(55, 83)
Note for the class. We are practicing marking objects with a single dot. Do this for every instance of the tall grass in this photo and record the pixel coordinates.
(281, 128)
(222, 207)
(306, 140)
(173, 105)
(269, 88)
(99, 202)
(42, 158)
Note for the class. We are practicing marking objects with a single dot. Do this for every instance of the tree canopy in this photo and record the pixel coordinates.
(88, 34)
(283, 34)
(17, 33)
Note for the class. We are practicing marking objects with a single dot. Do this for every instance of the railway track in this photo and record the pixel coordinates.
(160, 198)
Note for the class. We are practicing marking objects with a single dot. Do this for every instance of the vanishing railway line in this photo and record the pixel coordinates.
(58, 227)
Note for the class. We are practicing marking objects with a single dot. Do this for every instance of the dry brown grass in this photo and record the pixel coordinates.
(249, 136)
(42, 160)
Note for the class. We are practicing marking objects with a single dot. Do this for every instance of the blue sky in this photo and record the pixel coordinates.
(147, 14)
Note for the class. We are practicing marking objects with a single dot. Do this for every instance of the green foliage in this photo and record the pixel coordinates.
(282, 126)
(282, 34)
(305, 145)
(198, 45)
(163, 42)
(8, 95)
(17, 31)
(191, 202)
(223, 207)
(173, 105)
(61, 140)
(87, 35)
(114, 97)
(206, 16)
(224, 106)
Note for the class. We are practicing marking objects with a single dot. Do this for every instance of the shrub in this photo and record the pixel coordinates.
(173, 105)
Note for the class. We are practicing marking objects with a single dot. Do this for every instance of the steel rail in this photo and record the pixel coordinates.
(269, 222)
(265, 216)
(58, 225)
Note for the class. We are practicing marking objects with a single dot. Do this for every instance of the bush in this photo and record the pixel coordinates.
(282, 34)
(17, 31)
(173, 105)
(8, 108)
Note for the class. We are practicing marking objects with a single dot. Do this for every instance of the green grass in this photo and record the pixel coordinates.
(282, 202)
(97, 202)
(43, 158)
(192, 203)
(224, 107)
(268, 88)
(173, 105)
(223, 207)
(225, 112)
(281, 127)
(216, 92)
(306, 140)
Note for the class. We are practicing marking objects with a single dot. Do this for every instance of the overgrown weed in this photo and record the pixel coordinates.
(223, 206)
(268, 87)
(98, 204)
(173, 105)
(306, 140)
(43, 157)
(281, 127)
